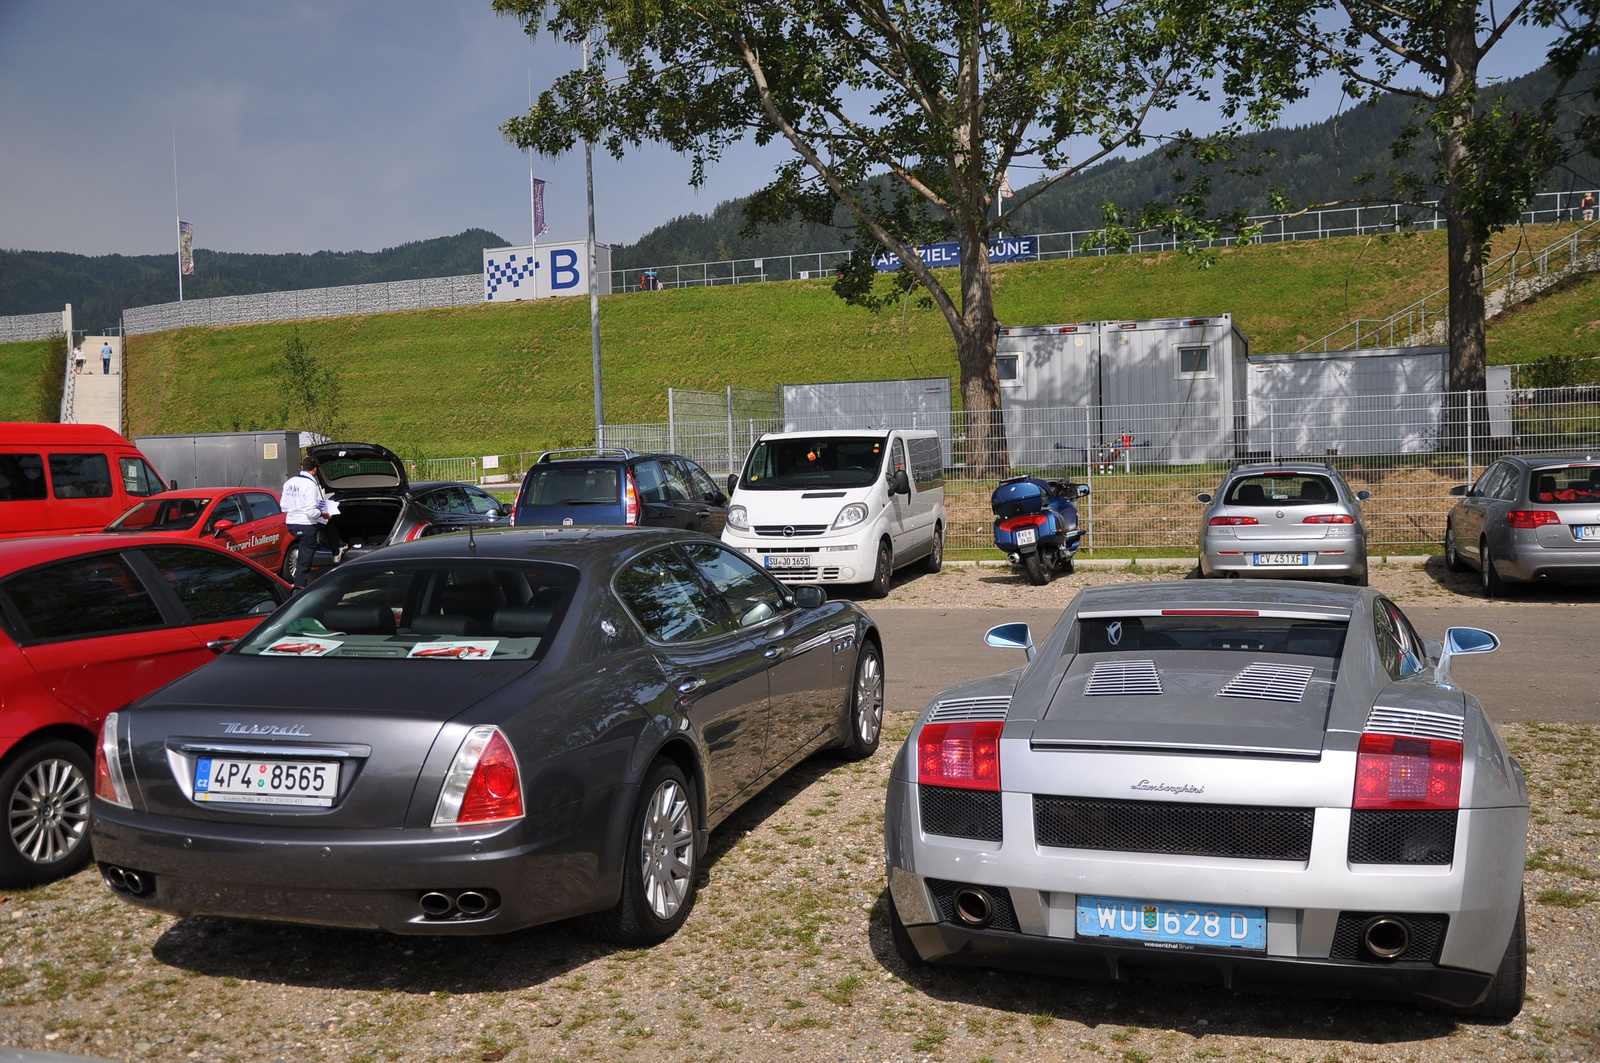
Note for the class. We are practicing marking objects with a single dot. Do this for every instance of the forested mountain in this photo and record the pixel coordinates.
(100, 287)
(1313, 164)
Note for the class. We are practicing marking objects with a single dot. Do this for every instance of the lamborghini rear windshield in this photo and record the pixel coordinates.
(1200, 630)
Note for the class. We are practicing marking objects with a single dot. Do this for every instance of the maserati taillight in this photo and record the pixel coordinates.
(962, 755)
(630, 500)
(484, 783)
(108, 782)
(1393, 771)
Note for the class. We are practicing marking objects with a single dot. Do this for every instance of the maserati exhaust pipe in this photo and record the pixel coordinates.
(435, 905)
(471, 902)
(116, 878)
(134, 882)
(973, 907)
(1386, 938)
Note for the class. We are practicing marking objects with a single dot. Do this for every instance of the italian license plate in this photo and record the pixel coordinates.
(1027, 537)
(788, 560)
(266, 782)
(1586, 531)
(1171, 925)
(1283, 559)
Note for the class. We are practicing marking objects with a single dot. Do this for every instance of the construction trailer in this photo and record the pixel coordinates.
(1345, 403)
(227, 459)
(1157, 391)
(870, 404)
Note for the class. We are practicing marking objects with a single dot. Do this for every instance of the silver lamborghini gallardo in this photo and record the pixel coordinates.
(1256, 784)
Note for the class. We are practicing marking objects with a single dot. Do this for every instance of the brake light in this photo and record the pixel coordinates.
(416, 533)
(1027, 520)
(630, 500)
(1210, 612)
(484, 782)
(1393, 771)
(1531, 518)
(1330, 518)
(108, 782)
(963, 755)
(1232, 522)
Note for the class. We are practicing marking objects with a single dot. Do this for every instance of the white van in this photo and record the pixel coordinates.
(840, 506)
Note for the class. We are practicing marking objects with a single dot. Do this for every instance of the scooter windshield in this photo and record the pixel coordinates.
(826, 461)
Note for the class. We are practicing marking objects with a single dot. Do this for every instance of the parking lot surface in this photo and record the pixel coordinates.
(787, 954)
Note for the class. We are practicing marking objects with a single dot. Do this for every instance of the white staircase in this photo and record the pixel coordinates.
(96, 396)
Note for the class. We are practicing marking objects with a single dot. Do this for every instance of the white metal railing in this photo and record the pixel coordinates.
(1515, 275)
(1275, 228)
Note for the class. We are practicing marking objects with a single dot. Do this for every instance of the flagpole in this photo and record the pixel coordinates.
(594, 281)
(533, 213)
(177, 212)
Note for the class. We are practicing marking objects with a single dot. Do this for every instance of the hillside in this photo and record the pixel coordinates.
(101, 287)
(487, 379)
(31, 379)
(1314, 164)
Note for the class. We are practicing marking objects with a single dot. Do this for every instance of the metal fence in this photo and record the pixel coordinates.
(1508, 279)
(1547, 207)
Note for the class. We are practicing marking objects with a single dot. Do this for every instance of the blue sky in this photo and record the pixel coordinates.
(332, 124)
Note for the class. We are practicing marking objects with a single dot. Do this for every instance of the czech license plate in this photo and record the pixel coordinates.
(1586, 531)
(788, 560)
(1283, 559)
(266, 782)
(1027, 537)
(1171, 925)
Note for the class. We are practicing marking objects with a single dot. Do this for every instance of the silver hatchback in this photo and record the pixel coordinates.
(1290, 520)
(1528, 519)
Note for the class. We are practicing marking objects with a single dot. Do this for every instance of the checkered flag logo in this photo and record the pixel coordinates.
(507, 273)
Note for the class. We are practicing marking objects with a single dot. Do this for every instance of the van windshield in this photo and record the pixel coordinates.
(827, 461)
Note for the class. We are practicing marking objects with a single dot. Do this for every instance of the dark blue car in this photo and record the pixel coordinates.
(618, 486)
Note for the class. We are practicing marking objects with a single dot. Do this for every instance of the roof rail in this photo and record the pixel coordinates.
(599, 452)
(1234, 463)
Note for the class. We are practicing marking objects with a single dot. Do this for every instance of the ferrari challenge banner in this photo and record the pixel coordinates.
(186, 248)
(542, 271)
(948, 254)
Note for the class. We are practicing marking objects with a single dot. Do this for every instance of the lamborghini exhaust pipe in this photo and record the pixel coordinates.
(974, 907)
(1387, 938)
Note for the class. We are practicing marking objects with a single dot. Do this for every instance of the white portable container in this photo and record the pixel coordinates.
(840, 506)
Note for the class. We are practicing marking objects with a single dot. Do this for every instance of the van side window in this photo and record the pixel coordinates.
(139, 479)
(80, 475)
(897, 461)
(927, 463)
(21, 477)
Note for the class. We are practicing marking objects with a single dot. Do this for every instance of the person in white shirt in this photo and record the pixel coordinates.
(305, 512)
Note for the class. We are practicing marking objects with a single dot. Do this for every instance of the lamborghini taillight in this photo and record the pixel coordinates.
(1393, 771)
(962, 755)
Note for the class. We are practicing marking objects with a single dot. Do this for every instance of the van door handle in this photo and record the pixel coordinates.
(690, 684)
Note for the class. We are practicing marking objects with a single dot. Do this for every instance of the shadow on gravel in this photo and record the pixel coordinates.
(1189, 1008)
(1468, 584)
(369, 960)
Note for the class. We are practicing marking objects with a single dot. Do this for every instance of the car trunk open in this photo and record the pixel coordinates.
(1176, 700)
(367, 523)
(369, 483)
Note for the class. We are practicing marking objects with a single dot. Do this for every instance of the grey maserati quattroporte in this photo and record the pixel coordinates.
(473, 734)
(1258, 784)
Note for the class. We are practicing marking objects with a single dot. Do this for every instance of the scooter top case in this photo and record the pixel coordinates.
(1018, 495)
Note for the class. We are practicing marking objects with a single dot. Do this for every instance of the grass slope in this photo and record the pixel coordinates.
(30, 380)
(1565, 321)
(487, 379)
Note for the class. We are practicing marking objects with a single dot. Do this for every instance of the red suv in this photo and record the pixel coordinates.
(88, 624)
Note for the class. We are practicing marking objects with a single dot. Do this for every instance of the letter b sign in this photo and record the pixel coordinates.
(563, 269)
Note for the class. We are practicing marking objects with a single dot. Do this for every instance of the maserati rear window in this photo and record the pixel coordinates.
(446, 611)
(1211, 631)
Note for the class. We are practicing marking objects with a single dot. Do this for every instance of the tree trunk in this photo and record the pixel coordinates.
(1465, 235)
(987, 454)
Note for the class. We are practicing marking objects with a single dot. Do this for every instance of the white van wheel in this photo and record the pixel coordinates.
(935, 559)
(879, 587)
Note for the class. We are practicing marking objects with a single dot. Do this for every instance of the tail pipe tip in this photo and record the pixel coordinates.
(974, 907)
(1387, 938)
(435, 904)
(471, 902)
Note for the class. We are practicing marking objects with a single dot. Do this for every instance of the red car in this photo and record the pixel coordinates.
(242, 520)
(88, 624)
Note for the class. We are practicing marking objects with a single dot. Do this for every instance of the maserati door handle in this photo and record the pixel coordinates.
(690, 684)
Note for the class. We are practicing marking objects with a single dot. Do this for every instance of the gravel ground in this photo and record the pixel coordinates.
(999, 586)
(786, 956)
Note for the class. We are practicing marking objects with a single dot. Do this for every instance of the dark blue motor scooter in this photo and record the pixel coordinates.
(1036, 524)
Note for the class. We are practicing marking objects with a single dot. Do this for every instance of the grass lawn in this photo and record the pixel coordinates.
(25, 391)
(487, 379)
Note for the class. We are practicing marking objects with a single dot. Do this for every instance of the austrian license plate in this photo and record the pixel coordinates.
(266, 782)
(1586, 531)
(1283, 559)
(788, 560)
(1170, 925)
(1027, 537)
